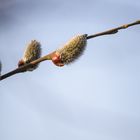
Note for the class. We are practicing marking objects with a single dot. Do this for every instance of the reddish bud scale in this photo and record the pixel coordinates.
(56, 59)
(32, 52)
(21, 63)
(71, 51)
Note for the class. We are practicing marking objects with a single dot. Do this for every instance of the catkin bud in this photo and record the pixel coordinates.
(71, 51)
(32, 52)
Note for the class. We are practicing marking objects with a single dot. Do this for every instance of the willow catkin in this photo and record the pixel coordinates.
(32, 52)
(73, 49)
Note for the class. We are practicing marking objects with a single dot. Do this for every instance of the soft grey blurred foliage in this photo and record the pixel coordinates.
(97, 97)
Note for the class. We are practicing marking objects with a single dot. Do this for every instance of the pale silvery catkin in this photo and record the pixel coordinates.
(32, 52)
(73, 49)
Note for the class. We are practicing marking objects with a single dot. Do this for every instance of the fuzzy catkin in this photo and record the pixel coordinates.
(32, 52)
(73, 49)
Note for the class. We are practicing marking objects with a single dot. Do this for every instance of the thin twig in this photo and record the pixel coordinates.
(114, 30)
(48, 57)
(25, 67)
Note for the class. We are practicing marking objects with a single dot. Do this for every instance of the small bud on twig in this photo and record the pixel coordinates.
(32, 52)
(65, 55)
(71, 51)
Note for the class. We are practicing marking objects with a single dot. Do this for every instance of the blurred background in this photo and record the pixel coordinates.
(95, 98)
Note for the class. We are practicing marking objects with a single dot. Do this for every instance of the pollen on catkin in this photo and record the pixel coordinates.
(32, 52)
(73, 49)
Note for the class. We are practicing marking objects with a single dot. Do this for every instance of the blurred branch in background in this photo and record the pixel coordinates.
(64, 53)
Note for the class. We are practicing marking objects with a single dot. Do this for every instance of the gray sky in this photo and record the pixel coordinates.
(95, 98)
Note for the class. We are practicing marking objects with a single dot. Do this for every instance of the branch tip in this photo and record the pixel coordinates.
(33, 62)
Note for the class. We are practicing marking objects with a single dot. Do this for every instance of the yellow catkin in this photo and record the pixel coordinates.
(73, 49)
(32, 52)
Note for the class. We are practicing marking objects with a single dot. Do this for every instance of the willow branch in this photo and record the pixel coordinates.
(48, 57)
(25, 67)
(114, 30)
